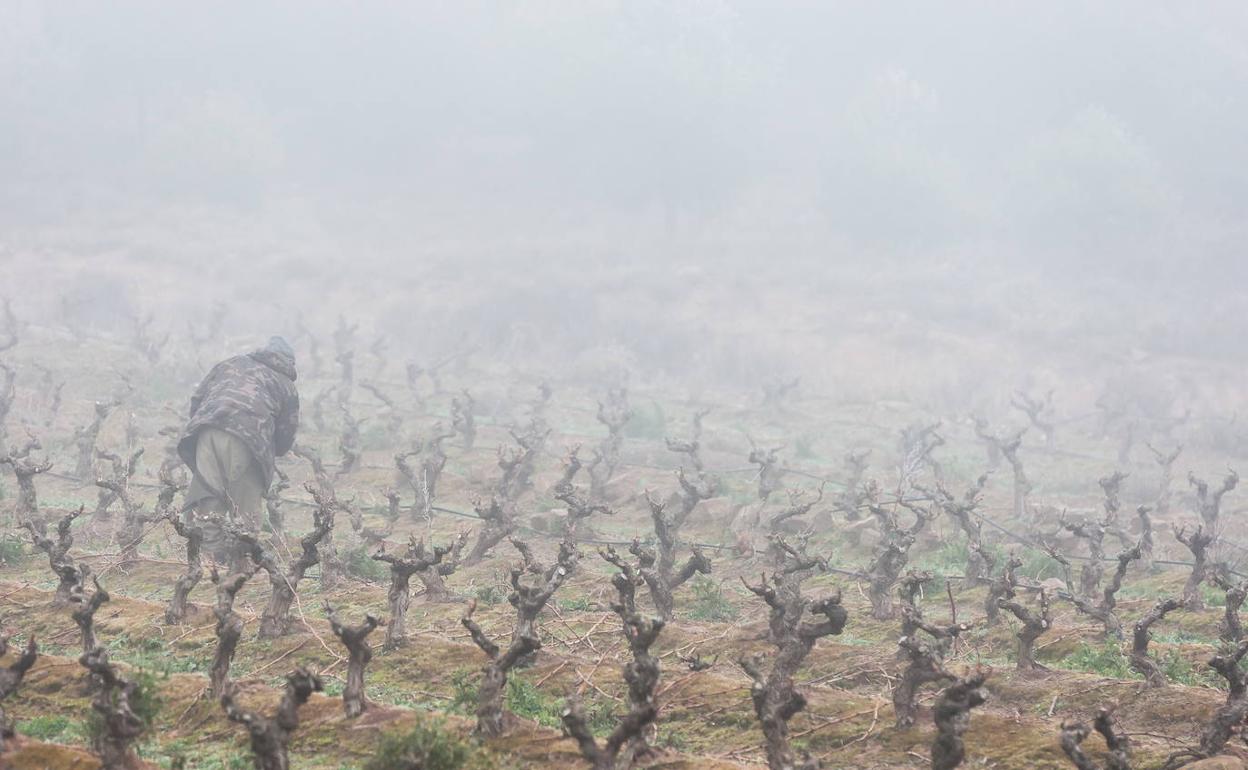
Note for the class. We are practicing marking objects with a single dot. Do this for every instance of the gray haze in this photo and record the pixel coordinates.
(715, 191)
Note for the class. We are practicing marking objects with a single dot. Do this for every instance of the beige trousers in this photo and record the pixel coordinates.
(227, 479)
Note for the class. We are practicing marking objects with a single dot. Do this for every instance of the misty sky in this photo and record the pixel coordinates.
(1061, 136)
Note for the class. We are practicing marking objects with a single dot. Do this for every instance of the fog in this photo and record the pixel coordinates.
(932, 201)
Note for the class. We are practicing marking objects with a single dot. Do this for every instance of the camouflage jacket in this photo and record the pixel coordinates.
(252, 397)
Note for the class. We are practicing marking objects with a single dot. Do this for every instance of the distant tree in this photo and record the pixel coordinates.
(691, 447)
(1103, 610)
(1039, 412)
(1229, 717)
(1198, 541)
(1119, 745)
(1209, 503)
(434, 578)
(499, 519)
(579, 505)
(11, 678)
(333, 571)
(1092, 532)
(532, 587)
(925, 658)
(777, 391)
(211, 332)
(769, 470)
(134, 519)
(83, 615)
(9, 338)
(1165, 462)
(774, 693)
(273, 503)
(463, 420)
(25, 469)
(318, 407)
(963, 512)
(1034, 624)
(415, 561)
(423, 479)
(1142, 513)
(349, 442)
(1022, 486)
(614, 414)
(915, 447)
(800, 504)
(992, 444)
(891, 554)
(190, 531)
(70, 574)
(518, 464)
(627, 741)
(392, 418)
(1232, 630)
(317, 367)
(86, 436)
(952, 715)
(1141, 662)
(284, 583)
(1002, 587)
(117, 703)
(270, 736)
(148, 345)
(658, 570)
(229, 628)
(360, 652)
(346, 372)
(853, 496)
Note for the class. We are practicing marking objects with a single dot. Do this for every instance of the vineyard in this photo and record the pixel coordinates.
(463, 566)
